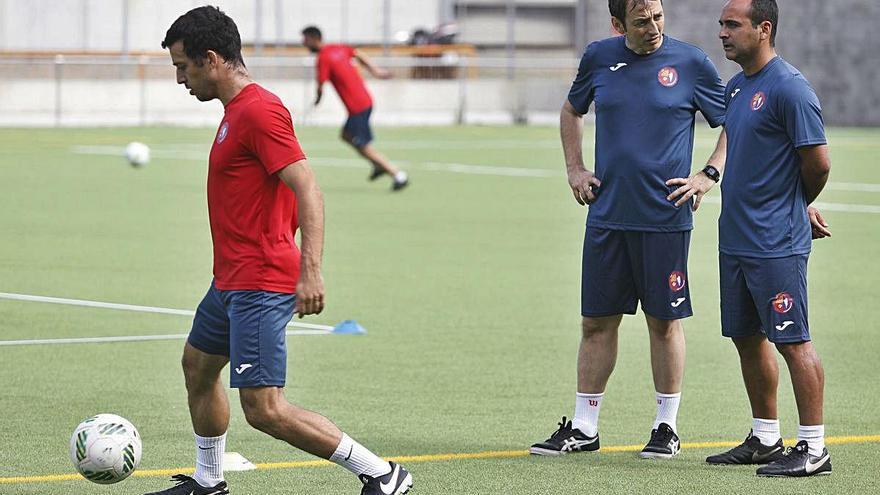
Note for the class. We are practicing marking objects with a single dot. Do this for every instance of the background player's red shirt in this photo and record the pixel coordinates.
(334, 65)
(252, 212)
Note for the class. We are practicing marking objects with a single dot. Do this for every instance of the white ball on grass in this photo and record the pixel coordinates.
(137, 154)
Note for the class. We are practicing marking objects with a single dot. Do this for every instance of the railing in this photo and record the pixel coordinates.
(427, 88)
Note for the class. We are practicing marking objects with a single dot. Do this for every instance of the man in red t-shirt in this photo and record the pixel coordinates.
(260, 191)
(334, 65)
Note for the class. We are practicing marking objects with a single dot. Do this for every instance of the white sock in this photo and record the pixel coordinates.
(357, 459)
(814, 436)
(209, 460)
(667, 410)
(766, 430)
(586, 413)
(400, 176)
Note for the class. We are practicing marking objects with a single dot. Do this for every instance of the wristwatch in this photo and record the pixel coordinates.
(712, 173)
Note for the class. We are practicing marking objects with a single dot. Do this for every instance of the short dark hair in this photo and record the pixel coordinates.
(312, 32)
(619, 8)
(206, 28)
(765, 10)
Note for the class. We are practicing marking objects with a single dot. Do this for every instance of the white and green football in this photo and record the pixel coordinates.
(105, 448)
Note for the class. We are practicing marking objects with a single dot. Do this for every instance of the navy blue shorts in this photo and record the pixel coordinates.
(357, 128)
(621, 268)
(248, 326)
(764, 296)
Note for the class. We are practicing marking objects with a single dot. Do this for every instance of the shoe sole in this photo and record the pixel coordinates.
(546, 452)
(555, 453)
(656, 455)
(406, 486)
(823, 473)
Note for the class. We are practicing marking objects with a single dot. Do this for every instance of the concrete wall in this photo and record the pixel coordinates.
(835, 43)
(536, 23)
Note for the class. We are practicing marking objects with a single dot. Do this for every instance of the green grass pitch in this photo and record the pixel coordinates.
(468, 284)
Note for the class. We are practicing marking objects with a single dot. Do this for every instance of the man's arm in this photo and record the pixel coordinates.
(815, 168)
(310, 288)
(376, 71)
(698, 184)
(322, 73)
(581, 180)
(319, 93)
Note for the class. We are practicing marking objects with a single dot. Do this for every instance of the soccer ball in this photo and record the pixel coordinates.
(137, 154)
(105, 448)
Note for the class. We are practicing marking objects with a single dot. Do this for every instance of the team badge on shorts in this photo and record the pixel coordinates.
(758, 101)
(668, 76)
(782, 303)
(676, 281)
(223, 132)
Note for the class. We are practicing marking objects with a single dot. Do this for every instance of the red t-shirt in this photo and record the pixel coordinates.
(252, 212)
(335, 65)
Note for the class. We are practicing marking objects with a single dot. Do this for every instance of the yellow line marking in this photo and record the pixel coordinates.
(38, 479)
(843, 440)
(496, 454)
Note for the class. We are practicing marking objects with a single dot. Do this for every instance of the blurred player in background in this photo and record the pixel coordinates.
(260, 190)
(647, 88)
(334, 64)
(777, 164)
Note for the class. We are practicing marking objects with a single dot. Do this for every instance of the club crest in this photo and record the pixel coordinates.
(223, 132)
(782, 303)
(758, 101)
(668, 76)
(677, 281)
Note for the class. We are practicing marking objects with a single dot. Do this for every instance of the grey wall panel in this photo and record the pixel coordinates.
(833, 42)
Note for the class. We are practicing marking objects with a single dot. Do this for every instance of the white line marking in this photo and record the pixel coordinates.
(131, 307)
(477, 144)
(463, 168)
(453, 144)
(849, 208)
(844, 207)
(183, 153)
(128, 338)
(853, 187)
(493, 170)
(190, 152)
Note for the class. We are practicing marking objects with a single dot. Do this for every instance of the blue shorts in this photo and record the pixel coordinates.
(621, 268)
(248, 326)
(357, 128)
(764, 296)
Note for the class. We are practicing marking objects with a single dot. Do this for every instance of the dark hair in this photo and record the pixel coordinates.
(312, 32)
(765, 10)
(618, 8)
(206, 28)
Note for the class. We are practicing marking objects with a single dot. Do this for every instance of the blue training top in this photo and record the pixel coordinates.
(645, 113)
(769, 115)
